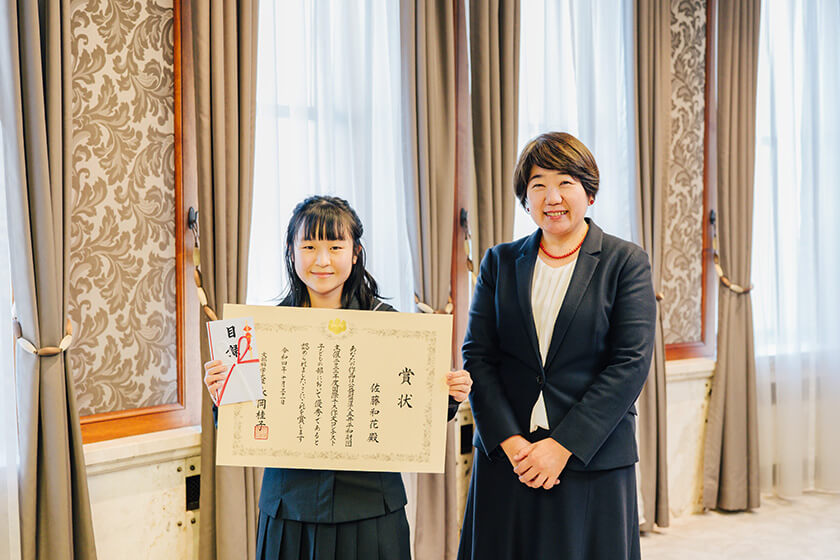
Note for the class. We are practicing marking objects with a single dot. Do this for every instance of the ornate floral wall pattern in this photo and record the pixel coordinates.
(122, 226)
(683, 271)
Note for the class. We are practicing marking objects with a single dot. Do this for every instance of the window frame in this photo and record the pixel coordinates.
(706, 347)
(186, 411)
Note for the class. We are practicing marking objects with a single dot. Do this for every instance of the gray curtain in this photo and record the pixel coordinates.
(730, 469)
(224, 52)
(652, 19)
(35, 73)
(494, 60)
(429, 61)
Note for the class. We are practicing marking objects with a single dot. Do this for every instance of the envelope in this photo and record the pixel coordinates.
(233, 341)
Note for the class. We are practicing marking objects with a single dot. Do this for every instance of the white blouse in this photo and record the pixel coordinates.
(548, 289)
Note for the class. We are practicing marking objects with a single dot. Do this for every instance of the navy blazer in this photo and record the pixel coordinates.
(597, 362)
(324, 496)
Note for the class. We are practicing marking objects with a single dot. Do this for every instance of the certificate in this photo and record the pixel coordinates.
(342, 390)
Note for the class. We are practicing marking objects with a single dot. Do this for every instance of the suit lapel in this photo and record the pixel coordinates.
(584, 269)
(524, 274)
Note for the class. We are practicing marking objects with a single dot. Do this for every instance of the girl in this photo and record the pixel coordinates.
(326, 515)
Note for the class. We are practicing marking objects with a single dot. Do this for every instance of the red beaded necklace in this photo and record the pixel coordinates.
(570, 253)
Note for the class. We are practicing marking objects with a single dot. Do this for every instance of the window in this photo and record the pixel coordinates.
(329, 122)
(576, 76)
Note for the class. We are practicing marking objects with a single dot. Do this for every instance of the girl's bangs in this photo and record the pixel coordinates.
(323, 223)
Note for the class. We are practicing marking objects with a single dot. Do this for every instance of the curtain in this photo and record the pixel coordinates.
(653, 117)
(796, 266)
(328, 107)
(730, 458)
(55, 517)
(223, 39)
(9, 503)
(576, 75)
(494, 67)
(429, 64)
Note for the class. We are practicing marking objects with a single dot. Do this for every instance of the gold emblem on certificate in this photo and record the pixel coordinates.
(342, 390)
(337, 326)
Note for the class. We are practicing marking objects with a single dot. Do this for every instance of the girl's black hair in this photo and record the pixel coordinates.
(330, 218)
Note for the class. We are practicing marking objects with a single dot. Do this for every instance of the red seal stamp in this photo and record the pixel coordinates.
(260, 431)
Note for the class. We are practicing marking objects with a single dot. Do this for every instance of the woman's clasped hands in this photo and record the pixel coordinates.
(538, 464)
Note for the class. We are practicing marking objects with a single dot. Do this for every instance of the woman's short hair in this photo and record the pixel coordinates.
(559, 151)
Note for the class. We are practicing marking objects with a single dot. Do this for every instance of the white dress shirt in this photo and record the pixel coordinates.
(548, 289)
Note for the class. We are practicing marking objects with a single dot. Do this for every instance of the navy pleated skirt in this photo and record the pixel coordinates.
(377, 538)
(587, 516)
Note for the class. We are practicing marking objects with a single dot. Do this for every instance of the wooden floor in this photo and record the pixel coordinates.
(804, 528)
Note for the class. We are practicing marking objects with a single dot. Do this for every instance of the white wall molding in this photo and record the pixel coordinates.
(146, 449)
(690, 369)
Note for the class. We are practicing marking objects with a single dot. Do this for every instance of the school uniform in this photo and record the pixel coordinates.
(580, 390)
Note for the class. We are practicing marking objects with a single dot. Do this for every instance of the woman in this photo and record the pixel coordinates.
(332, 515)
(559, 344)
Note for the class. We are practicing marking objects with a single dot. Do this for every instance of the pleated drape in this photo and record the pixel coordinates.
(730, 461)
(35, 72)
(429, 61)
(494, 67)
(224, 48)
(652, 19)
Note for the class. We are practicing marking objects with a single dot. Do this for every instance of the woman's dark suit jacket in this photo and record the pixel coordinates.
(321, 496)
(597, 362)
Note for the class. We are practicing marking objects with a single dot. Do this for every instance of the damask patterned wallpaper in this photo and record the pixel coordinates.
(682, 274)
(122, 256)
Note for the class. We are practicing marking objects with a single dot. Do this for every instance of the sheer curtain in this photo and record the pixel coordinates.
(576, 76)
(328, 122)
(796, 254)
(9, 520)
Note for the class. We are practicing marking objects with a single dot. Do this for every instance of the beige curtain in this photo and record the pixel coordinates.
(730, 469)
(652, 19)
(428, 55)
(223, 39)
(35, 72)
(494, 60)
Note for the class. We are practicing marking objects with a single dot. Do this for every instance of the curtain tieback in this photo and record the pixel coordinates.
(202, 295)
(426, 308)
(45, 350)
(729, 284)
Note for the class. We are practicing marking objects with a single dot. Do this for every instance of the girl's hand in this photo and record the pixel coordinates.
(459, 383)
(215, 373)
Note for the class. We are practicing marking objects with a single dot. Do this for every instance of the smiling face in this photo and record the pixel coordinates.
(324, 266)
(557, 203)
